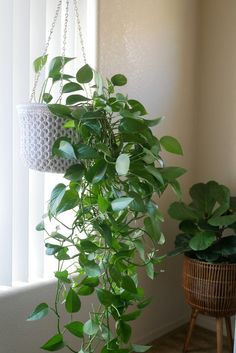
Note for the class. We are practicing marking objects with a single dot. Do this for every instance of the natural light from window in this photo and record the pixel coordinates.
(25, 192)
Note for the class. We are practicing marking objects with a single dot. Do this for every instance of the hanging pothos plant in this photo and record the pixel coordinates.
(112, 193)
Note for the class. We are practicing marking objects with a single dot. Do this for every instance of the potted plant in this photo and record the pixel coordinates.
(208, 240)
(114, 227)
(39, 126)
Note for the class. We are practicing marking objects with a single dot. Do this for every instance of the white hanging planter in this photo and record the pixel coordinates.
(39, 130)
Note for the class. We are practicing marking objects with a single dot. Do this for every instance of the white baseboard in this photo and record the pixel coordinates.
(161, 330)
(202, 320)
(210, 323)
(207, 322)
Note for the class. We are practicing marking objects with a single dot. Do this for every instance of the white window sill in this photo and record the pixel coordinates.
(21, 287)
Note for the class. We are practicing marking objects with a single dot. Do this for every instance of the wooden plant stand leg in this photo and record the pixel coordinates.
(219, 334)
(229, 333)
(190, 329)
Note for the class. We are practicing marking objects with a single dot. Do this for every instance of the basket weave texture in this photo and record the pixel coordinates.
(39, 130)
(210, 288)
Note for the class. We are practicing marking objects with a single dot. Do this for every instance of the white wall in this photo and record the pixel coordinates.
(154, 43)
(15, 333)
(216, 129)
(21, 336)
(216, 133)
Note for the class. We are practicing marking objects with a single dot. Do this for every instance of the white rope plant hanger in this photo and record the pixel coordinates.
(39, 128)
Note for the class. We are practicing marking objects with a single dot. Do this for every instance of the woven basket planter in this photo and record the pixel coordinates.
(210, 288)
(39, 130)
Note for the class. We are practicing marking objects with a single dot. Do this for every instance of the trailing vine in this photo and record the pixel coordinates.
(111, 194)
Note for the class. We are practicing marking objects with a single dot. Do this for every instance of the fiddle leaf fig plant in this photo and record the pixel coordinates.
(106, 215)
(207, 224)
